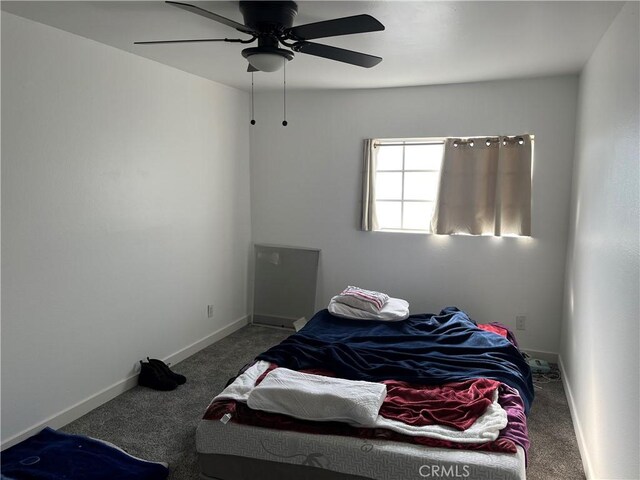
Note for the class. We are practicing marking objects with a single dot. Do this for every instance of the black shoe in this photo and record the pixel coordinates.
(164, 368)
(152, 377)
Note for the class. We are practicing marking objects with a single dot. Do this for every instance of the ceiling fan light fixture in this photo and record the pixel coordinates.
(267, 59)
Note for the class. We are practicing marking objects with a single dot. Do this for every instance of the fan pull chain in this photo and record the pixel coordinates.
(284, 93)
(253, 121)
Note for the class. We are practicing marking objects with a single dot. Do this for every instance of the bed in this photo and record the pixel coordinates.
(427, 351)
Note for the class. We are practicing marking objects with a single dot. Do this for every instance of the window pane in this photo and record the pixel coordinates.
(388, 214)
(423, 157)
(389, 158)
(417, 215)
(389, 186)
(421, 185)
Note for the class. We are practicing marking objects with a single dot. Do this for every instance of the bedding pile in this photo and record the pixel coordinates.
(426, 349)
(498, 428)
(356, 303)
(465, 412)
(447, 383)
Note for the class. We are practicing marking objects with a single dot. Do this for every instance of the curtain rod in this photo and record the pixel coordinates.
(507, 138)
(400, 144)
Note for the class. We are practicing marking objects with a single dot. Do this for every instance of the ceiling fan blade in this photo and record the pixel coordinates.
(251, 68)
(339, 54)
(212, 16)
(333, 28)
(182, 41)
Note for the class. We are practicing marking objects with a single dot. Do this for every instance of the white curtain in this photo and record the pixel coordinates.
(369, 221)
(485, 187)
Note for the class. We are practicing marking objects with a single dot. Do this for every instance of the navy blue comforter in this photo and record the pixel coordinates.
(426, 349)
(51, 455)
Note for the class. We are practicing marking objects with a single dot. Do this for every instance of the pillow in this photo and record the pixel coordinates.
(395, 309)
(366, 300)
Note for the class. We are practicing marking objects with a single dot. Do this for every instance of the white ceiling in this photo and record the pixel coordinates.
(424, 43)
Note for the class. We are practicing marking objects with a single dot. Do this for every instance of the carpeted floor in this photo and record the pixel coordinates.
(161, 426)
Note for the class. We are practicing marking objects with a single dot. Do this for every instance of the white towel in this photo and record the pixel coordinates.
(395, 309)
(319, 398)
(367, 300)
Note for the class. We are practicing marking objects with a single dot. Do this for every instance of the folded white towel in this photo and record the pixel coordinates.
(394, 310)
(319, 398)
(367, 300)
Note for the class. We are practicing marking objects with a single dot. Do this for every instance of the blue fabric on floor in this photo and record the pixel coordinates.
(426, 349)
(52, 455)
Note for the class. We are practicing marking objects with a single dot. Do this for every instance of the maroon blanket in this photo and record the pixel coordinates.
(457, 404)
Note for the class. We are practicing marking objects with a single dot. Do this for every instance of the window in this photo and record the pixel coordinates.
(406, 183)
(448, 186)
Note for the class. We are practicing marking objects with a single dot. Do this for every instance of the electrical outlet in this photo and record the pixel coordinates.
(210, 311)
(521, 322)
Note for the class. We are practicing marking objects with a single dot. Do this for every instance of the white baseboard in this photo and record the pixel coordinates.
(550, 357)
(273, 320)
(74, 412)
(582, 444)
(83, 407)
(216, 336)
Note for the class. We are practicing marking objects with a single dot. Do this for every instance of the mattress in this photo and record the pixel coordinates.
(424, 349)
(362, 458)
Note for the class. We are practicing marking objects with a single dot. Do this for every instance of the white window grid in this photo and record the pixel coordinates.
(403, 171)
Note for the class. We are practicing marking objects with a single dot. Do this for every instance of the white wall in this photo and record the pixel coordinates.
(306, 184)
(599, 347)
(125, 211)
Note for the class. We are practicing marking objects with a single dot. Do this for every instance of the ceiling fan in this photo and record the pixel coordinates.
(271, 24)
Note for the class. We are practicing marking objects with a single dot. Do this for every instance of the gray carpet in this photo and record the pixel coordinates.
(161, 426)
(554, 449)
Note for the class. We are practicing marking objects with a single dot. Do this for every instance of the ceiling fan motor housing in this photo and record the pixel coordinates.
(268, 17)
